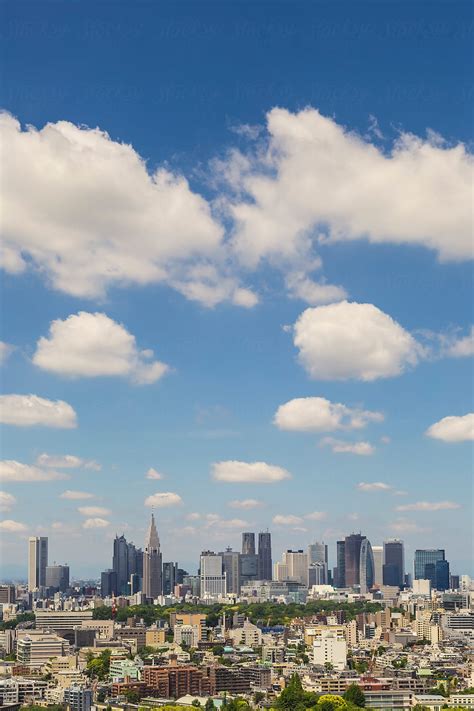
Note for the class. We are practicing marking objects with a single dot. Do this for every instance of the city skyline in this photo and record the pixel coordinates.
(220, 299)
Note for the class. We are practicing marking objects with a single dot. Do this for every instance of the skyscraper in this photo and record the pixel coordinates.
(341, 564)
(108, 583)
(152, 563)
(424, 557)
(394, 563)
(264, 555)
(127, 561)
(442, 577)
(231, 564)
(37, 561)
(170, 575)
(57, 577)
(212, 575)
(359, 562)
(317, 553)
(378, 564)
(248, 543)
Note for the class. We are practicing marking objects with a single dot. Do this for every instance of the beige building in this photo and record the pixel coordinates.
(35, 648)
(155, 637)
(249, 635)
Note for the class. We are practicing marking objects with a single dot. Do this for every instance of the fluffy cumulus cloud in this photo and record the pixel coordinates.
(7, 501)
(315, 180)
(85, 210)
(73, 495)
(316, 414)
(287, 520)
(66, 461)
(30, 410)
(245, 504)
(429, 506)
(458, 346)
(340, 446)
(248, 472)
(93, 511)
(92, 345)
(163, 500)
(10, 470)
(349, 340)
(95, 523)
(9, 526)
(453, 428)
(153, 474)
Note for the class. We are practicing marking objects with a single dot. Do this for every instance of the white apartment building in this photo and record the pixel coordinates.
(212, 576)
(35, 648)
(21, 691)
(187, 634)
(249, 635)
(330, 649)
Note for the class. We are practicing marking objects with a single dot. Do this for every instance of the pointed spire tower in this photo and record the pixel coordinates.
(152, 563)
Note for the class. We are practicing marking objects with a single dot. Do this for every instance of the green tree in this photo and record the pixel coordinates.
(354, 695)
(209, 705)
(132, 696)
(196, 704)
(294, 697)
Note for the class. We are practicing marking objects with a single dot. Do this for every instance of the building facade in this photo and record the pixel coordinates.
(152, 563)
(37, 561)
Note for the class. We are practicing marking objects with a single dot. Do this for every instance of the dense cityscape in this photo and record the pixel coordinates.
(244, 632)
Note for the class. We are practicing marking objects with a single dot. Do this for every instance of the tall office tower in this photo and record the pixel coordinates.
(442, 577)
(135, 561)
(57, 577)
(231, 563)
(317, 553)
(120, 564)
(341, 564)
(424, 557)
(317, 574)
(264, 555)
(378, 564)
(394, 562)
(152, 563)
(170, 577)
(212, 575)
(296, 563)
(359, 562)
(37, 561)
(248, 543)
(108, 583)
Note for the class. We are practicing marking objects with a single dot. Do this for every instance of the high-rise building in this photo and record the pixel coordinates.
(152, 563)
(378, 564)
(170, 577)
(231, 563)
(340, 572)
(264, 555)
(37, 561)
(359, 562)
(57, 577)
(212, 575)
(248, 543)
(317, 553)
(424, 557)
(442, 577)
(317, 574)
(108, 583)
(394, 563)
(127, 560)
(297, 565)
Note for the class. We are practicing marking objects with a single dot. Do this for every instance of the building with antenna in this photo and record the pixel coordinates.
(152, 563)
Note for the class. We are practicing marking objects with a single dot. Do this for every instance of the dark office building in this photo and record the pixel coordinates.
(127, 561)
(108, 583)
(248, 543)
(424, 558)
(170, 577)
(359, 562)
(265, 555)
(442, 577)
(394, 565)
(248, 568)
(340, 570)
(57, 577)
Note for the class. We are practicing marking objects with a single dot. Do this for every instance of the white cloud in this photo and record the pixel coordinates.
(87, 212)
(193, 516)
(75, 495)
(6, 501)
(353, 341)
(95, 523)
(429, 506)
(248, 472)
(10, 470)
(300, 286)
(315, 180)
(153, 474)
(93, 345)
(216, 521)
(93, 511)
(340, 446)
(5, 351)
(163, 500)
(245, 504)
(374, 486)
(29, 410)
(316, 414)
(316, 516)
(453, 428)
(10, 526)
(404, 526)
(66, 461)
(287, 520)
(460, 347)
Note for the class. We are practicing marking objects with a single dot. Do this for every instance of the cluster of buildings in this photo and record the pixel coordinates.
(419, 638)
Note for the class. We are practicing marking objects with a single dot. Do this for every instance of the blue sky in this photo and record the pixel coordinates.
(225, 95)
